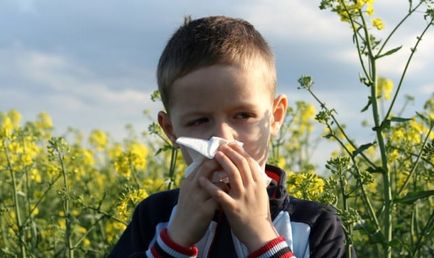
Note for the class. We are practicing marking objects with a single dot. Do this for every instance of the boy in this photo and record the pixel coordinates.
(217, 78)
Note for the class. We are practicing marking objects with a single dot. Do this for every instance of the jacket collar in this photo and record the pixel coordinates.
(276, 189)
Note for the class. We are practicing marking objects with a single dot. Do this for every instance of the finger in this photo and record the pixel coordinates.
(253, 164)
(235, 177)
(216, 193)
(256, 169)
(239, 157)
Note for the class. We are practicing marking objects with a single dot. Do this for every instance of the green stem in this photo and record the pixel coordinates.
(341, 129)
(172, 167)
(88, 231)
(3, 230)
(68, 235)
(345, 206)
(387, 187)
(356, 38)
(106, 214)
(133, 173)
(365, 197)
(16, 203)
(44, 194)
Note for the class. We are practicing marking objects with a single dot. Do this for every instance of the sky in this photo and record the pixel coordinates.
(91, 64)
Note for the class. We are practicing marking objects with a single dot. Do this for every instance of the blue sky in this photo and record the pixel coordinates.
(91, 64)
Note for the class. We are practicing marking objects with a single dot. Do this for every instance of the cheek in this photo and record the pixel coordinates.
(256, 145)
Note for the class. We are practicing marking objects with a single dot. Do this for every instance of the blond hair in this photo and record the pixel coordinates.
(211, 41)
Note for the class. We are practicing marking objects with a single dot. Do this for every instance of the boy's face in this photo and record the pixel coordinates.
(228, 102)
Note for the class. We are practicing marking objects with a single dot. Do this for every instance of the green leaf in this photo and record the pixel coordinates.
(399, 119)
(328, 136)
(390, 52)
(166, 147)
(423, 117)
(384, 125)
(375, 170)
(367, 105)
(362, 148)
(414, 196)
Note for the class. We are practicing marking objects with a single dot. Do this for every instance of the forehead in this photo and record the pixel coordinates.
(220, 84)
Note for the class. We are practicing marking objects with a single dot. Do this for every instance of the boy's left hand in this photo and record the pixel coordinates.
(246, 203)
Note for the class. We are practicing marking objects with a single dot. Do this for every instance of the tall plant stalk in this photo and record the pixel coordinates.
(16, 203)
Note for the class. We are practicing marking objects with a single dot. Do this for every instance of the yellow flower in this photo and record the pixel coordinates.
(86, 243)
(139, 153)
(378, 23)
(61, 223)
(15, 117)
(35, 212)
(305, 185)
(154, 185)
(115, 151)
(134, 158)
(122, 165)
(308, 112)
(6, 126)
(417, 127)
(397, 134)
(413, 137)
(370, 9)
(44, 121)
(35, 175)
(393, 155)
(80, 229)
(138, 195)
(281, 162)
(88, 158)
(385, 87)
(113, 229)
(98, 139)
(129, 202)
(44, 124)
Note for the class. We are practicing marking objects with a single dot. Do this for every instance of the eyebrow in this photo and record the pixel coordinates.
(242, 106)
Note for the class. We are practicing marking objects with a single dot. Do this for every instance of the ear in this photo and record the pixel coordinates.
(166, 124)
(280, 105)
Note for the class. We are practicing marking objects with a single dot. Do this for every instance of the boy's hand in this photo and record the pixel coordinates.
(195, 208)
(246, 204)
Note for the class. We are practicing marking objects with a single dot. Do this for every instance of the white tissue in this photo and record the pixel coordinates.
(200, 149)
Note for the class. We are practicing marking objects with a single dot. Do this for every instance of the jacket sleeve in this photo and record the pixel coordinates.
(276, 248)
(327, 238)
(164, 246)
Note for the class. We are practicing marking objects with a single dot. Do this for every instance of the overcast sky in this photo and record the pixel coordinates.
(91, 64)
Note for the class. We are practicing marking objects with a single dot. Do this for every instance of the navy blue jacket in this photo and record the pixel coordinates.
(310, 229)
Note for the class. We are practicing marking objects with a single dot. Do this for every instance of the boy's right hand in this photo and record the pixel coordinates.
(195, 208)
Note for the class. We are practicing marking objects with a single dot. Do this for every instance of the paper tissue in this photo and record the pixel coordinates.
(199, 149)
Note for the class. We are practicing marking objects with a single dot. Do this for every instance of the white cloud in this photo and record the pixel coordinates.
(73, 95)
(294, 20)
(394, 64)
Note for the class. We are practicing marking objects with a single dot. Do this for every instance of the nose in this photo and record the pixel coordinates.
(225, 131)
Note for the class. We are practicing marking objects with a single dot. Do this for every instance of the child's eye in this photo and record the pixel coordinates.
(198, 121)
(244, 115)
